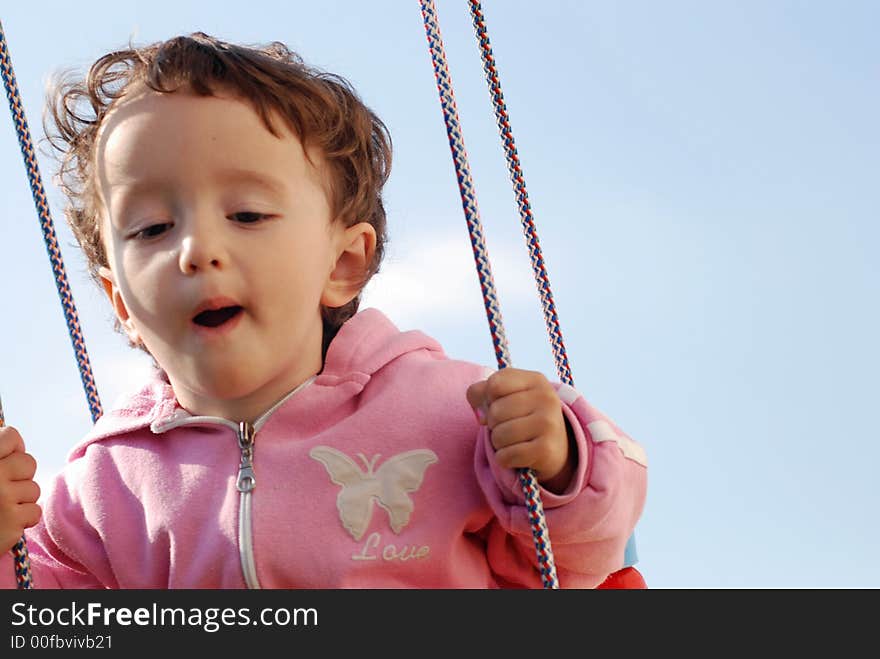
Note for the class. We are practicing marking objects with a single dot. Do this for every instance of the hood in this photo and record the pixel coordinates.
(364, 344)
(368, 341)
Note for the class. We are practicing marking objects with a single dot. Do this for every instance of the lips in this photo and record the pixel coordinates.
(216, 312)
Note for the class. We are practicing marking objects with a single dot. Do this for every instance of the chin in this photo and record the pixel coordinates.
(216, 384)
(230, 389)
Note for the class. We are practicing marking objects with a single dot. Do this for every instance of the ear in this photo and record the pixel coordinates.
(108, 281)
(355, 249)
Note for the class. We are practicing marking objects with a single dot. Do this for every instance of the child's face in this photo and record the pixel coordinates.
(221, 248)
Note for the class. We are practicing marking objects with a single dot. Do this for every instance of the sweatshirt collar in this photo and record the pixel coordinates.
(180, 417)
(363, 345)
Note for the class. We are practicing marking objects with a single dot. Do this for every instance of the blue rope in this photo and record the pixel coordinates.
(22, 568)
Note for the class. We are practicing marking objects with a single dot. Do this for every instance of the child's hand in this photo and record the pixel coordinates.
(18, 491)
(527, 427)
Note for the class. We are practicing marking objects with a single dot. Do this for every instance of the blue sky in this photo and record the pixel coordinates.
(704, 182)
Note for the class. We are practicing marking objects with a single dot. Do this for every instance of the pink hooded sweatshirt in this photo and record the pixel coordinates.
(372, 474)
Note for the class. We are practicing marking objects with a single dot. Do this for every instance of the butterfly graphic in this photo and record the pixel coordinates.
(389, 485)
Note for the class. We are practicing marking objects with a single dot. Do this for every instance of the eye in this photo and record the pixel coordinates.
(151, 231)
(248, 217)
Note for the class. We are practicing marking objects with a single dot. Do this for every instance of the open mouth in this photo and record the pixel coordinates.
(217, 317)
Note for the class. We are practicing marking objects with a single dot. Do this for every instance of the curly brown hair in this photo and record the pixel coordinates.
(321, 108)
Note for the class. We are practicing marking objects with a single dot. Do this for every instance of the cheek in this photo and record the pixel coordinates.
(294, 292)
(305, 267)
(141, 287)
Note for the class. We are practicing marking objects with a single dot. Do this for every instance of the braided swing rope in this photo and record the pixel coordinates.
(22, 563)
(527, 479)
(542, 279)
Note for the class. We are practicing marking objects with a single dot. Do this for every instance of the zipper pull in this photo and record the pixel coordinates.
(247, 481)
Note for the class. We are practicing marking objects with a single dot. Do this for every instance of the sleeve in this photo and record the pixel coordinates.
(589, 524)
(64, 548)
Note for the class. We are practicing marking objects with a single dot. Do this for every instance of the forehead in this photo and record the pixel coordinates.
(148, 133)
(146, 125)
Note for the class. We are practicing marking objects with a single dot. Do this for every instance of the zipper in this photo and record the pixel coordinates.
(246, 482)
(246, 479)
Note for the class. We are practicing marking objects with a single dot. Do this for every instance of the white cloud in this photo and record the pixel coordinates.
(122, 373)
(419, 281)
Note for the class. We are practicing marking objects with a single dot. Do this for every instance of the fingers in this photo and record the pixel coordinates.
(20, 492)
(10, 441)
(530, 442)
(502, 400)
(523, 404)
(524, 416)
(508, 382)
(18, 510)
(518, 429)
(15, 464)
(29, 515)
(17, 467)
(15, 520)
(477, 398)
(520, 454)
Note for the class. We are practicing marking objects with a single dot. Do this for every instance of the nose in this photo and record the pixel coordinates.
(201, 248)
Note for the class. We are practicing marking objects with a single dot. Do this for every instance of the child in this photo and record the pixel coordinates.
(228, 200)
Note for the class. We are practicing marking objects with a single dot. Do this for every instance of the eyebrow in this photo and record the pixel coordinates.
(226, 177)
(248, 176)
